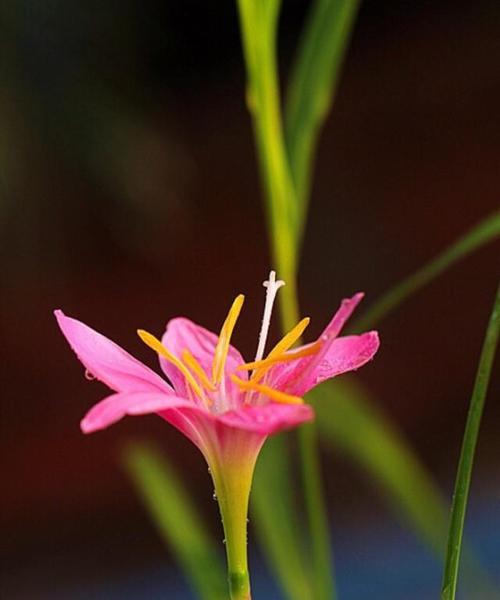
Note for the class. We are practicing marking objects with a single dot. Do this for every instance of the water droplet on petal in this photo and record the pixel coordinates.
(209, 471)
(89, 376)
(224, 541)
(214, 496)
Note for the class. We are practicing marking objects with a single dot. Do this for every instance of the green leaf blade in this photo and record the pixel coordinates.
(464, 472)
(275, 518)
(484, 232)
(348, 421)
(312, 85)
(177, 520)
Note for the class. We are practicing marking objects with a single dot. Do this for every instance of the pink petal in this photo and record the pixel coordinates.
(344, 354)
(115, 407)
(267, 419)
(209, 431)
(182, 334)
(234, 435)
(286, 376)
(339, 319)
(107, 361)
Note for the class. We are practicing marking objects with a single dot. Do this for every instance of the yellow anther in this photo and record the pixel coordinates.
(290, 338)
(222, 347)
(197, 369)
(160, 349)
(285, 357)
(275, 395)
(281, 347)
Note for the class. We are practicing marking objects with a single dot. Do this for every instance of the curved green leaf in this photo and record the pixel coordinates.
(275, 518)
(177, 520)
(484, 232)
(312, 85)
(349, 422)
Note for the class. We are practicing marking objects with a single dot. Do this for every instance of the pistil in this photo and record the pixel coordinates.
(272, 286)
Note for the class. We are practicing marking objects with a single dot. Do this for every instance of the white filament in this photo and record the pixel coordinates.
(272, 286)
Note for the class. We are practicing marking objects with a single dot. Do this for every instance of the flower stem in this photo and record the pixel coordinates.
(232, 488)
(232, 472)
(258, 20)
(310, 467)
(321, 551)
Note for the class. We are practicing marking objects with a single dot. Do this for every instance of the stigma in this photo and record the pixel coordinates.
(272, 286)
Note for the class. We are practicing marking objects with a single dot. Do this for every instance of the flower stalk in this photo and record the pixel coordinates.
(233, 480)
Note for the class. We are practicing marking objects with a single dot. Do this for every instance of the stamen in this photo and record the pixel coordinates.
(226, 331)
(282, 346)
(160, 349)
(272, 288)
(275, 395)
(195, 366)
(290, 338)
(285, 357)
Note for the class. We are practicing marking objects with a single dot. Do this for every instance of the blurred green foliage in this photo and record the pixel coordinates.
(177, 519)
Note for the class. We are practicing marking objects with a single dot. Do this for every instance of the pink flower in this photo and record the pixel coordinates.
(225, 406)
(211, 396)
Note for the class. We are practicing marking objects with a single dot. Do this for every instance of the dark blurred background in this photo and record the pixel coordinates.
(129, 194)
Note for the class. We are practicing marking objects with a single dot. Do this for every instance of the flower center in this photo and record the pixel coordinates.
(278, 353)
(212, 391)
(259, 366)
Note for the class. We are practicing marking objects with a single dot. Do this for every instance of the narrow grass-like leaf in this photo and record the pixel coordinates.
(275, 519)
(312, 85)
(349, 422)
(484, 232)
(464, 473)
(177, 519)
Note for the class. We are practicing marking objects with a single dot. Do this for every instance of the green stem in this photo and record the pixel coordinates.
(322, 558)
(232, 481)
(312, 482)
(258, 19)
(464, 473)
